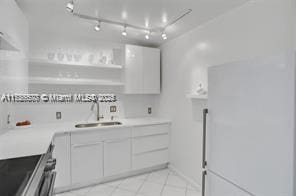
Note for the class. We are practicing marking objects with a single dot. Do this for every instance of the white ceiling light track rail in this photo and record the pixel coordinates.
(148, 31)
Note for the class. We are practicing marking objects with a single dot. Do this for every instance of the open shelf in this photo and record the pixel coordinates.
(72, 81)
(196, 96)
(44, 62)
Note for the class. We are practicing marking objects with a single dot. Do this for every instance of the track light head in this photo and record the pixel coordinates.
(70, 6)
(147, 36)
(124, 33)
(164, 36)
(98, 26)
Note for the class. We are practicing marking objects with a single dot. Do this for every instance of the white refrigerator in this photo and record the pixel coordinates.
(249, 128)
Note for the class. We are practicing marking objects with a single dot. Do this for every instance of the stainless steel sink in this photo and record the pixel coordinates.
(99, 124)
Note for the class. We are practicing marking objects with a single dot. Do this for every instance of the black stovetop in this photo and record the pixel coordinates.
(15, 174)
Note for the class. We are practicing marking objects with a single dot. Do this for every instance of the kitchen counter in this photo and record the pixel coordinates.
(35, 140)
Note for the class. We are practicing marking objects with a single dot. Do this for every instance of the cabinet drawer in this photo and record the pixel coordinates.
(150, 143)
(150, 130)
(99, 135)
(150, 159)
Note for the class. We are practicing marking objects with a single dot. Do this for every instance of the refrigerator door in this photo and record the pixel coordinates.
(218, 186)
(250, 129)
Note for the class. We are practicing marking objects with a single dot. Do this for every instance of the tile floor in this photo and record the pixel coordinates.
(158, 183)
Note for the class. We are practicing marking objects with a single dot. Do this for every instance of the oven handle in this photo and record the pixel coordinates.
(53, 177)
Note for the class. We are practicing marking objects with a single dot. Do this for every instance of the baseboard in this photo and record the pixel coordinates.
(110, 179)
(184, 177)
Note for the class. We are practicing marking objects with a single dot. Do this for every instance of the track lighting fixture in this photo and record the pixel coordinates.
(164, 36)
(70, 6)
(148, 31)
(124, 33)
(147, 36)
(98, 26)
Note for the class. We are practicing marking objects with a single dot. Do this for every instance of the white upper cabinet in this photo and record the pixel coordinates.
(151, 70)
(142, 70)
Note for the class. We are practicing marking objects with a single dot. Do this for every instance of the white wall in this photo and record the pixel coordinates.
(128, 106)
(13, 65)
(44, 42)
(258, 28)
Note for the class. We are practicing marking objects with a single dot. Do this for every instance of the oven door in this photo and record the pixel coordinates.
(43, 179)
(47, 184)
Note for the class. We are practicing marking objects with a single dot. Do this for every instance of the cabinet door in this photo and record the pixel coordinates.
(151, 70)
(117, 157)
(62, 152)
(87, 162)
(133, 69)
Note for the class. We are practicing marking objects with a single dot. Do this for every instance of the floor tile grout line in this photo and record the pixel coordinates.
(145, 180)
(187, 184)
(136, 192)
(88, 190)
(186, 189)
(165, 183)
(117, 187)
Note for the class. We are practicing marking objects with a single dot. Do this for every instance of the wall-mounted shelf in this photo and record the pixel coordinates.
(196, 96)
(42, 62)
(72, 81)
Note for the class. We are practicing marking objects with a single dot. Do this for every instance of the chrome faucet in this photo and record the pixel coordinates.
(99, 117)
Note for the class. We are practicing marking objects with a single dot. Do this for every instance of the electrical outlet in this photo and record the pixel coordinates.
(149, 110)
(8, 119)
(113, 108)
(58, 115)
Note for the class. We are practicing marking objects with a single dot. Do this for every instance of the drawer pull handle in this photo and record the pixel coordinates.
(115, 141)
(144, 136)
(87, 144)
(150, 151)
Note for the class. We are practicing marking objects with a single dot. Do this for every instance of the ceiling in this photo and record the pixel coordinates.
(51, 16)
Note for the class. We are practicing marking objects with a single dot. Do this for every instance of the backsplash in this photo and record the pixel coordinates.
(127, 106)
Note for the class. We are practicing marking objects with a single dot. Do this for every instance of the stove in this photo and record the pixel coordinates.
(16, 173)
(28, 176)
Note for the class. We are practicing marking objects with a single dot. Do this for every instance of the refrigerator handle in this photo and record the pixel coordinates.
(204, 138)
(203, 183)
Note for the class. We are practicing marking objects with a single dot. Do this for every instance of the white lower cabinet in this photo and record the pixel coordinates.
(62, 150)
(150, 143)
(117, 157)
(87, 162)
(90, 156)
(150, 159)
(150, 146)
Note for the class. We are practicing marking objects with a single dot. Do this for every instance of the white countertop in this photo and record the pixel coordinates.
(36, 139)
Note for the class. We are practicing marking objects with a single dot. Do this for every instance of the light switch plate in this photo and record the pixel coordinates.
(58, 115)
(149, 110)
(113, 108)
